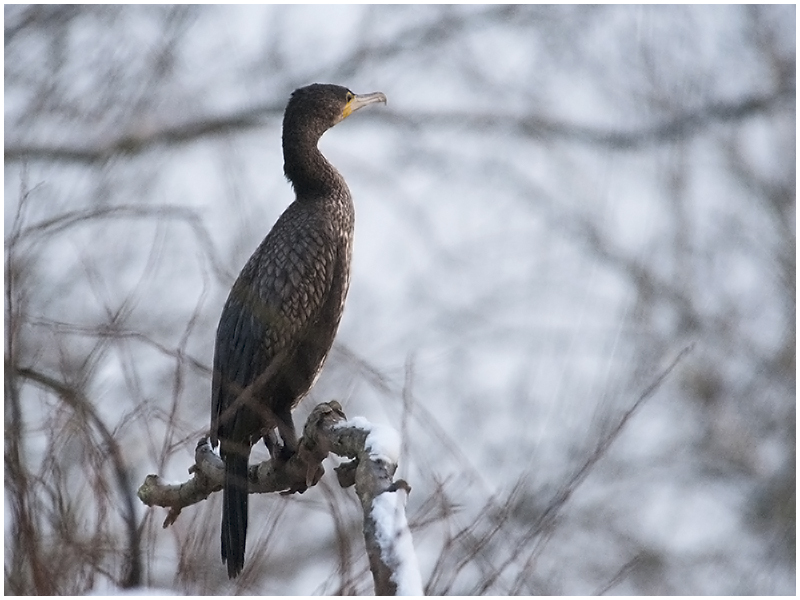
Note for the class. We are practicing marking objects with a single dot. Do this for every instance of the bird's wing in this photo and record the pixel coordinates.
(278, 294)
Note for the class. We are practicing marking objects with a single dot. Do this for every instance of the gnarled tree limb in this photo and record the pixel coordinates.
(374, 450)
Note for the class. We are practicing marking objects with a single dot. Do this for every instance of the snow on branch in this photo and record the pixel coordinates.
(375, 451)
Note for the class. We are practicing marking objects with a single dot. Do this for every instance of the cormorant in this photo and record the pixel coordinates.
(283, 311)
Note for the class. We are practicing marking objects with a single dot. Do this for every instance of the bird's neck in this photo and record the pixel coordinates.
(307, 169)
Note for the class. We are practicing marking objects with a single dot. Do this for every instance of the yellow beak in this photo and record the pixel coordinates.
(362, 100)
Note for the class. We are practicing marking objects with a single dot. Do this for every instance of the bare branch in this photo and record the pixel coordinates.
(138, 142)
(187, 215)
(81, 405)
(547, 519)
(538, 127)
(535, 126)
(386, 533)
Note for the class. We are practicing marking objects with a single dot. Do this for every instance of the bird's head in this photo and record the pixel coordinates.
(323, 105)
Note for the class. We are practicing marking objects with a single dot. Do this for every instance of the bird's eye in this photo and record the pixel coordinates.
(349, 96)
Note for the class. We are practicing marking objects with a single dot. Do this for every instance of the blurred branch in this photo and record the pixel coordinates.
(601, 449)
(138, 142)
(162, 212)
(39, 16)
(547, 519)
(623, 572)
(108, 330)
(444, 23)
(681, 126)
(24, 550)
(83, 407)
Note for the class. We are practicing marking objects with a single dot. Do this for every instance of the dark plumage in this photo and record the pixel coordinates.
(283, 311)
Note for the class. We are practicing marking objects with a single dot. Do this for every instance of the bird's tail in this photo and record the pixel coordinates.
(234, 513)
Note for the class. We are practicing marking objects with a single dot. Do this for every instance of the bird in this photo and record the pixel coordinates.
(280, 318)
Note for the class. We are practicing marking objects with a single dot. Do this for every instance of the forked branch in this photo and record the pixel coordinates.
(374, 450)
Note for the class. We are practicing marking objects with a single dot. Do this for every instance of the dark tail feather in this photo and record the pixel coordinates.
(234, 513)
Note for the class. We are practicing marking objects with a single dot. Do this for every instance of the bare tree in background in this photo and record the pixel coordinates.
(566, 197)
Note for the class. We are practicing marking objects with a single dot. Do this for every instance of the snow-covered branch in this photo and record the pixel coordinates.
(374, 450)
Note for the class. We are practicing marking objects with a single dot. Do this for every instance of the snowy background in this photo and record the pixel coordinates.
(555, 203)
